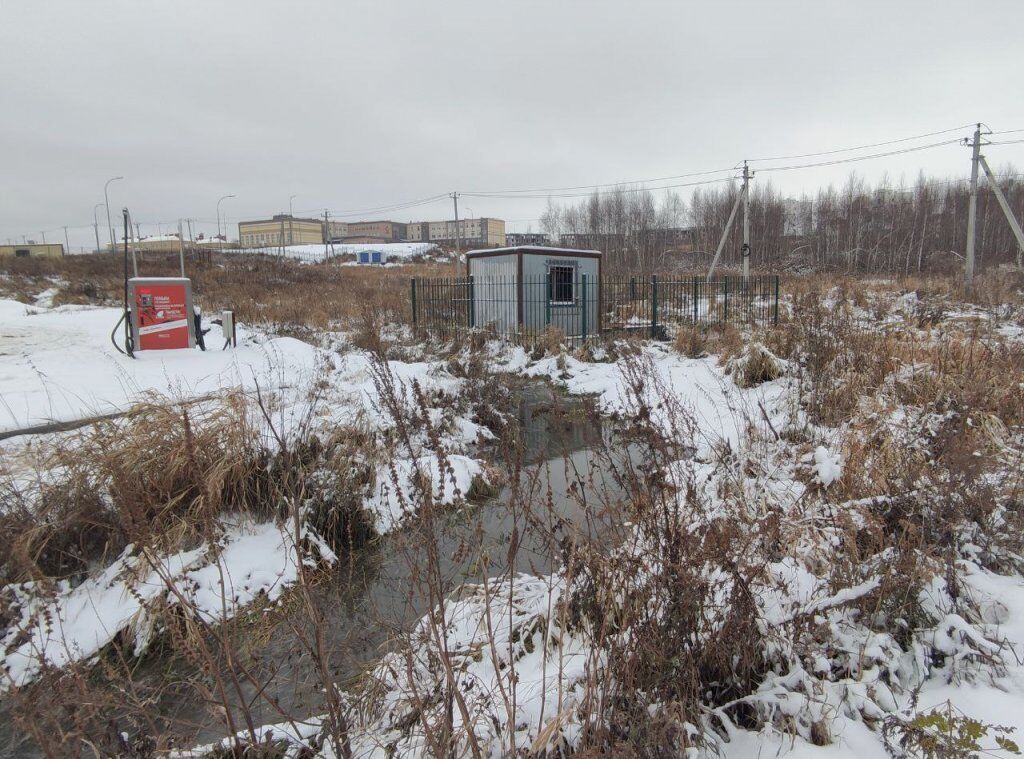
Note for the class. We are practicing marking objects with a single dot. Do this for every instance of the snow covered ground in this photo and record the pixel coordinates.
(63, 367)
(58, 365)
(395, 252)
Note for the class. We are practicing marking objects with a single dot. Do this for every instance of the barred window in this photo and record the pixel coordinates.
(561, 284)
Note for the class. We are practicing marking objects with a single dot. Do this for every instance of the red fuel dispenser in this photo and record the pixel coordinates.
(161, 312)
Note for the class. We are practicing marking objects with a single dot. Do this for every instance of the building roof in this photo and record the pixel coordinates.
(279, 218)
(533, 249)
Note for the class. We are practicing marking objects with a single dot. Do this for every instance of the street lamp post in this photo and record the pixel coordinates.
(106, 201)
(218, 221)
(96, 226)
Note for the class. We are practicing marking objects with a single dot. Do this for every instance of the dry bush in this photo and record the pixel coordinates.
(165, 473)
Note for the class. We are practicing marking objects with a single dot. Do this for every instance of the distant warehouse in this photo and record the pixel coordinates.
(33, 250)
(282, 229)
(289, 230)
(477, 233)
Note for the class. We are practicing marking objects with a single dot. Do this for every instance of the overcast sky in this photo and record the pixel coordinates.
(353, 105)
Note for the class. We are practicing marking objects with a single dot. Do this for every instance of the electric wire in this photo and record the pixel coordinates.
(640, 185)
(504, 193)
(859, 158)
(861, 147)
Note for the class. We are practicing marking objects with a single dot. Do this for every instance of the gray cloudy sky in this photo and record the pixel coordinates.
(352, 105)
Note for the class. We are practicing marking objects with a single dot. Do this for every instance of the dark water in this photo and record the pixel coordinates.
(378, 593)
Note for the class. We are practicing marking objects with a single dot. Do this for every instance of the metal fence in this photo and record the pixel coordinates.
(581, 308)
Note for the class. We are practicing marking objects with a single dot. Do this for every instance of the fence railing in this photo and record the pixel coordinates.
(582, 307)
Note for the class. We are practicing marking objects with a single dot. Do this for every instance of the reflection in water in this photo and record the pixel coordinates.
(378, 593)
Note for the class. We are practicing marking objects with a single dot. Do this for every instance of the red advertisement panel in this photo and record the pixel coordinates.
(162, 313)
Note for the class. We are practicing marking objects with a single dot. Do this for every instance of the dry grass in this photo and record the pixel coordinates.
(284, 294)
(164, 474)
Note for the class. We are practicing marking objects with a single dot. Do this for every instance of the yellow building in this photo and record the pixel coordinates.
(33, 250)
(280, 230)
(478, 233)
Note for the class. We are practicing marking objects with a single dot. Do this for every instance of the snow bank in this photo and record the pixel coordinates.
(59, 365)
(698, 386)
(213, 582)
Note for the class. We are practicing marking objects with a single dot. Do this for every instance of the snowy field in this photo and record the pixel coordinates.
(833, 672)
(59, 365)
(396, 252)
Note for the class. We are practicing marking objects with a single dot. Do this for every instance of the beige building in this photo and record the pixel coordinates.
(374, 232)
(282, 229)
(337, 230)
(33, 250)
(479, 233)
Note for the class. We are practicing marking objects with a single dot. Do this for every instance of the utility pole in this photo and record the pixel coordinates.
(291, 218)
(96, 226)
(138, 231)
(972, 210)
(458, 232)
(1005, 205)
(725, 236)
(43, 235)
(181, 249)
(746, 222)
(327, 234)
(67, 244)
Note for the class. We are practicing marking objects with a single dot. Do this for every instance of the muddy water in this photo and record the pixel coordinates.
(378, 593)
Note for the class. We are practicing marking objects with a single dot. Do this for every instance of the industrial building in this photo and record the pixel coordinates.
(337, 231)
(282, 229)
(516, 239)
(481, 233)
(33, 250)
(374, 232)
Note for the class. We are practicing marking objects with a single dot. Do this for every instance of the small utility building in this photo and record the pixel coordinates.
(529, 288)
(33, 250)
(372, 257)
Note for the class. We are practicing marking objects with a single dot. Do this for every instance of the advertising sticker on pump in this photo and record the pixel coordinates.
(162, 313)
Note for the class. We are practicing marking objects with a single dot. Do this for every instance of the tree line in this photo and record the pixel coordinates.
(859, 227)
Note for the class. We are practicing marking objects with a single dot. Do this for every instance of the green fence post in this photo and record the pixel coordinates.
(654, 305)
(583, 298)
(471, 311)
(412, 287)
(696, 299)
(776, 315)
(725, 309)
(547, 301)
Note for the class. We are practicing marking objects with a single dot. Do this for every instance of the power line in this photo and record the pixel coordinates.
(618, 188)
(504, 193)
(861, 147)
(1003, 142)
(860, 158)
